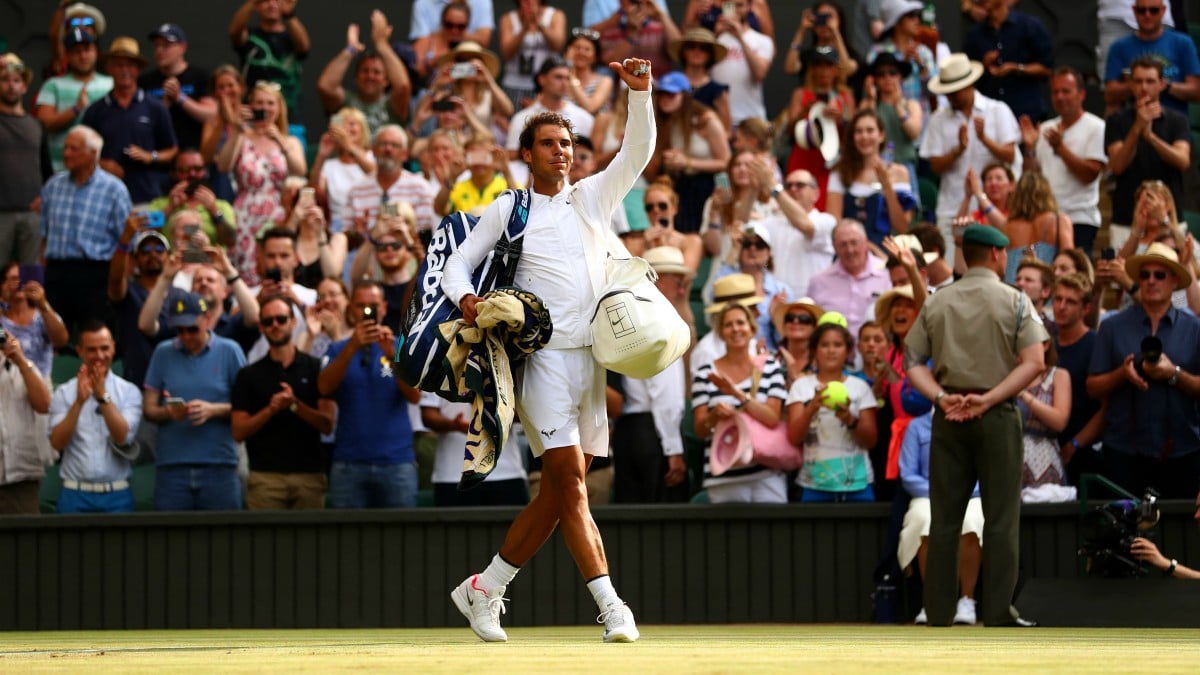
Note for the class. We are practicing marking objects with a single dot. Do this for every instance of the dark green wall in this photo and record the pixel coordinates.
(673, 564)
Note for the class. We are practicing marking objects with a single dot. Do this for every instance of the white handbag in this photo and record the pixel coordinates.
(635, 330)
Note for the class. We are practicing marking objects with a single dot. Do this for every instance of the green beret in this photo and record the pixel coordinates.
(984, 235)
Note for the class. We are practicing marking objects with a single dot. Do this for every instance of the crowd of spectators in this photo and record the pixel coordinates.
(233, 307)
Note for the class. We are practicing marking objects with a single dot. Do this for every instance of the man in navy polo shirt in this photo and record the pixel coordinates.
(139, 141)
(373, 461)
(1018, 54)
(188, 389)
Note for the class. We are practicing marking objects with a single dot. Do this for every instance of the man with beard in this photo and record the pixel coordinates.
(137, 265)
(62, 100)
(24, 165)
(280, 415)
(139, 141)
(391, 183)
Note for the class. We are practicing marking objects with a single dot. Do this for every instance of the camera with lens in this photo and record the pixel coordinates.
(3, 338)
(1151, 352)
(1109, 531)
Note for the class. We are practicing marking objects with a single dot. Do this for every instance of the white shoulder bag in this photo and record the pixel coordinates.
(635, 329)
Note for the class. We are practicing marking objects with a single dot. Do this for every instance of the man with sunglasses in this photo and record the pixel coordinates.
(1175, 50)
(1152, 435)
(191, 191)
(187, 390)
(801, 233)
(277, 411)
(137, 265)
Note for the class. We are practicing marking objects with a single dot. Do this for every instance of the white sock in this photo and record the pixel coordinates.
(498, 573)
(603, 592)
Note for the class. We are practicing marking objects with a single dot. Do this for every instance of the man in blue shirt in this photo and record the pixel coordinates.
(1018, 54)
(1175, 50)
(1153, 434)
(187, 388)
(83, 214)
(139, 141)
(93, 420)
(373, 461)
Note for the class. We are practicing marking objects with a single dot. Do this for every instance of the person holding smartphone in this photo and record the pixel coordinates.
(374, 465)
(191, 190)
(28, 316)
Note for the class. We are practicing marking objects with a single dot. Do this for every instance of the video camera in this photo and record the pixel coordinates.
(1109, 531)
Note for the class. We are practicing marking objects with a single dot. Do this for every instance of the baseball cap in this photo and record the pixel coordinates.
(674, 82)
(146, 235)
(186, 310)
(78, 36)
(171, 32)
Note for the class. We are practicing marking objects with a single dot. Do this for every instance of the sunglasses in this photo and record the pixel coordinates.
(1159, 275)
(277, 320)
(389, 245)
(81, 21)
(448, 25)
(1152, 11)
(755, 243)
(803, 319)
(797, 184)
(191, 330)
(661, 206)
(697, 45)
(887, 72)
(585, 32)
(152, 248)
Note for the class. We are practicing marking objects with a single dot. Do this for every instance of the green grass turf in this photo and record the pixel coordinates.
(662, 649)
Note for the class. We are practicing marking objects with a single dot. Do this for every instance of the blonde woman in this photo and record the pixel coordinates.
(343, 160)
(1035, 227)
(261, 155)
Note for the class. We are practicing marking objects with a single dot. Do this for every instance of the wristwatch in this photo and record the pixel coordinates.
(1174, 379)
(106, 398)
(776, 190)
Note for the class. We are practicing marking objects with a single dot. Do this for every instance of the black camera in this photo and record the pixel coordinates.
(3, 338)
(275, 274)
(1108, 534)
(1151, 352)
(258, 114)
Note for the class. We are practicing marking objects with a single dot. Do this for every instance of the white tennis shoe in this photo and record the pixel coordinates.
(618, 623)
(483, 608)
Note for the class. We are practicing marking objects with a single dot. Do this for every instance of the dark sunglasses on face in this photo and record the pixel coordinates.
(661, 206)
(191, 330)
(277, 320)
(1152, 11)
(1159, 275)
(803, 319)
(152, 248)
(389, 245)
(755, 243)
(449, 25)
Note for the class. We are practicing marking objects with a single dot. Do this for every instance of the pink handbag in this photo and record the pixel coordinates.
(743, 441)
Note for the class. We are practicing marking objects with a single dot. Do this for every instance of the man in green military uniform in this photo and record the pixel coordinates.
(976, 427)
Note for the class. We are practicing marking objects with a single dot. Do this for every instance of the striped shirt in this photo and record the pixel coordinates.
(771, 385)
(408, 188)
(83, 221)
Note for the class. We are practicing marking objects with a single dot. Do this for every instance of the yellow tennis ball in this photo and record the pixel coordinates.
(835, 395)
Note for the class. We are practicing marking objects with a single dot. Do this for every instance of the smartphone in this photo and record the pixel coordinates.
(175, 400)
(460, 71)
(370, 314)
(721, 180)
(191, 252)
(821, 19)
(192, 185)
(156, 220)
(32, 272)
(390, 210)
(729, 10)
(479, 157)
(3, 337)
(308, 197)
(258, 114)
(443, 105)
(1108, 254)
(275, 274)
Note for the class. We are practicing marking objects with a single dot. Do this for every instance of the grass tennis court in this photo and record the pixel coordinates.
(662, 649)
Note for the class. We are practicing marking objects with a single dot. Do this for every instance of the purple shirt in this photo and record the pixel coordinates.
(836, 290)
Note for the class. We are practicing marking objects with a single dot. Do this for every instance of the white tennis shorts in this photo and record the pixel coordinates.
(561, 401)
